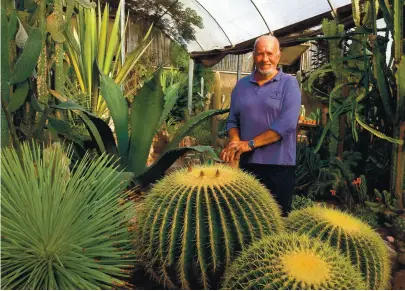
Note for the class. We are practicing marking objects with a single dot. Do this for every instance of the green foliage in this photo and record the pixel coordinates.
(354, 238)
(367, 216)
(195, 221)
(118, 108)
(62, 228)
(182, 23)
(179, 56)
(145, 115)
(200, 90)
(149, 109)
(398, 226)
(300, 202)
(5, 75)
(202, 133)
(292, 262)
(203, 137)
(94, 46)
(27, 61)
(18, 97)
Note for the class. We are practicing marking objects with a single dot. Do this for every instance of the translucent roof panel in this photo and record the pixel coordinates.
(291, 11)
(229, 22)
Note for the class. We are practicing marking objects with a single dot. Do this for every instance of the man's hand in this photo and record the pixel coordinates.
(234, 150)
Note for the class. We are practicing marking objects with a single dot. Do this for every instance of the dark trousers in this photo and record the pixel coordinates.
(278, 179)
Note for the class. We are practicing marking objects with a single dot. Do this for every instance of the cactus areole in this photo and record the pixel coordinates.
(196, 220)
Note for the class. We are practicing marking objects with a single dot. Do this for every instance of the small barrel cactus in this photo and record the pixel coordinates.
(194, 222)
(351, 236)
(292, 262)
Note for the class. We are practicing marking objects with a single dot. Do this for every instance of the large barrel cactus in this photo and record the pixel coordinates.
(292, 262)
(194, 222)
(351, 236)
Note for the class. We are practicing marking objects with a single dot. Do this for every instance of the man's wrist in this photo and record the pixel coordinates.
(251, 144)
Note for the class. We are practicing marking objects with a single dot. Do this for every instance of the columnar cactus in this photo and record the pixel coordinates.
(290, 261)
(351, 236)
(195, 221)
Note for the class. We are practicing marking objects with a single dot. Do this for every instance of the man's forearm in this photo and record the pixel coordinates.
(267, 137)
(233, 134)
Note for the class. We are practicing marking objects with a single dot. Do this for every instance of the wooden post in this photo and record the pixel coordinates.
(239, 72)
(216, 104)
(190, 85)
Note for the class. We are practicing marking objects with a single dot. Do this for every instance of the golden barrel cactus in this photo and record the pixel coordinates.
(354, 238)
(195, 221)
(292, 262)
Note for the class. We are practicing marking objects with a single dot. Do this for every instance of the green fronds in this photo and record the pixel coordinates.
(354, 238)
(292, 262)
(62, 228)
(193, 224)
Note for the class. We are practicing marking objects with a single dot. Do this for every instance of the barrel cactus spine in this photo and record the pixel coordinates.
(354, 238)
(195, 221)
(293, 262)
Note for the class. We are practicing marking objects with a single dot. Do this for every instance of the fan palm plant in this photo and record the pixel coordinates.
(62, 229)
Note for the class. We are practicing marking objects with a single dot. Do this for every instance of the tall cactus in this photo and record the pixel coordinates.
(195, 221)
(398, 171)
(42, 85)
(393, 96)
(352, 237)
(59, 50)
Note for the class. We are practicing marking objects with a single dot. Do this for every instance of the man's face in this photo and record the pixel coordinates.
(266, 57)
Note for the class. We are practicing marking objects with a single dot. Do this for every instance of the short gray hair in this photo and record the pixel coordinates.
(269, 37)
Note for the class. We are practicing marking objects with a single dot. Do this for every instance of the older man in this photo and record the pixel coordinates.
(262, 123)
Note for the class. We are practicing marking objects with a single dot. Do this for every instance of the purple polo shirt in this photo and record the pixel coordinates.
(275, 105)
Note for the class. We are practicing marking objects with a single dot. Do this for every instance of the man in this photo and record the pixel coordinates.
(262, 123)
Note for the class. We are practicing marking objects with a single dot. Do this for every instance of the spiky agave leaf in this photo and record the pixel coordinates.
(62, 230)
(195, 221)
(292, 262)
(351, 236)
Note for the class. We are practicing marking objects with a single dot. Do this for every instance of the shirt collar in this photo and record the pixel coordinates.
(277, 77)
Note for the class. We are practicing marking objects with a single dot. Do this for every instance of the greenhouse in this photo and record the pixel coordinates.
(201, 144)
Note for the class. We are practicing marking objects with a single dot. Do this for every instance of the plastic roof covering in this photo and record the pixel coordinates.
(229, 22)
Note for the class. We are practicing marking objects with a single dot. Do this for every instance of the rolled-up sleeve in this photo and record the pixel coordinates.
(233, 118)
(286, 123)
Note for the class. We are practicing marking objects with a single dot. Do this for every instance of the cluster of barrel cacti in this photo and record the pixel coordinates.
(215, 226)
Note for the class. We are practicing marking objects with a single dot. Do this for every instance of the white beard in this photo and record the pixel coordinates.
(266, 73)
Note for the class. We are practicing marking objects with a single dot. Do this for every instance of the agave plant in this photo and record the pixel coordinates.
(149, 111)
(62, 228)
(91, 43)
